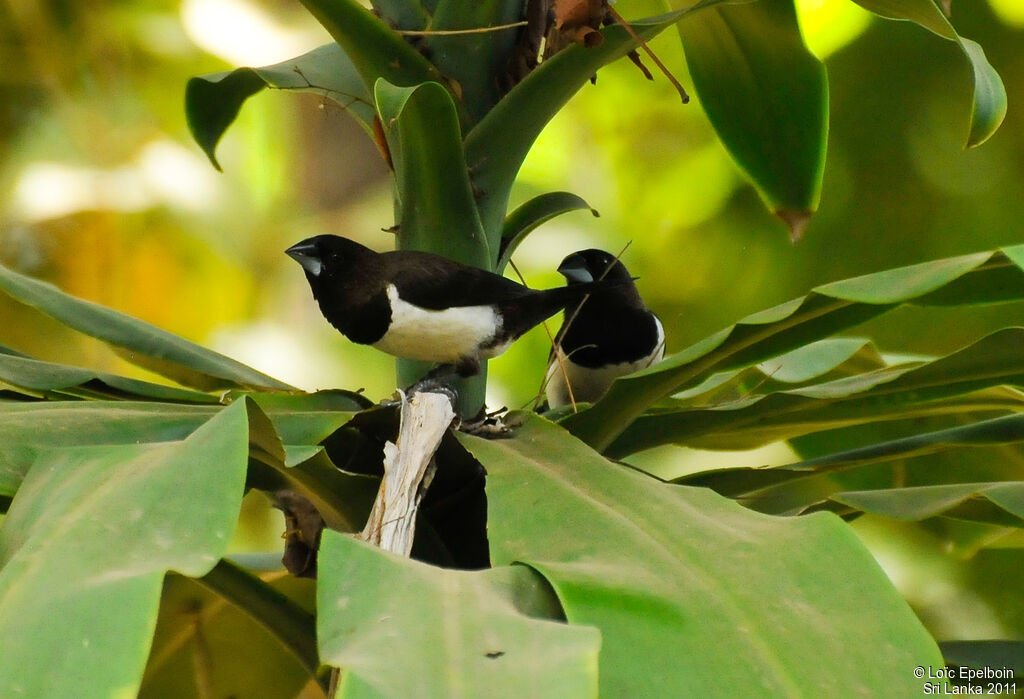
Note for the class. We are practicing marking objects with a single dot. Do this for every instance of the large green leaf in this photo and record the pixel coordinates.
(661, 569)
(951, 384)
(430, 632)
(498, 144)
(995, 654)
(794, 488)
(26, 428)
(988, 104)
(532, 214)
(986, 277)
(766, 96)
(86, 543)
(139, 342)
(374, 49)
(923, 12)
(206, 641)
(991, 503)
(477, 61)
(50, 379)
(213, 101)
(342, 499)
(438, 210)
(403, 14)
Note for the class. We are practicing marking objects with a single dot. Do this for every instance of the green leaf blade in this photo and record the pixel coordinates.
(766, 96)
(793, 488)
(439, 633)
(988, 98)
(141, 343)
(374, 49)
(497, 145)
(438, 211)
(212, 102)
(953, 384)
(971, 279)
(532, 214)
(652, 574)
(923, 12)
(75, 546)
(476, 62)
(988, 106)
(51, 377)
(959, 501)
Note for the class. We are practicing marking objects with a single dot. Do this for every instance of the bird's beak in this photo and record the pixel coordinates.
(305, 254)
(575, 271)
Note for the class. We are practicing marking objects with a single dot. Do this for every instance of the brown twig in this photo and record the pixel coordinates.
(657, 61)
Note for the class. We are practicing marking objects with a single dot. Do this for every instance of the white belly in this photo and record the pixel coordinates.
(439, 336)
(590, 384)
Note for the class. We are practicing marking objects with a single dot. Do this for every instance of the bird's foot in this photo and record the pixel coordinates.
(424, 385)
(438, 385)
(489, 425)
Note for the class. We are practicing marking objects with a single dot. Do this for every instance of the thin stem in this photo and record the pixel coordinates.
(456, 32)
(657, 61)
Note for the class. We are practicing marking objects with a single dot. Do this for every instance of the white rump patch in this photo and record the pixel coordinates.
(439, 336)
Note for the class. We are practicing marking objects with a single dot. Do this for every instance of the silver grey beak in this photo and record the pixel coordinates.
(572, 273)
(305, 254)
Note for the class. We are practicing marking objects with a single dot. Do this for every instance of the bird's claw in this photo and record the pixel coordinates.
(488, 425)
(427, 385)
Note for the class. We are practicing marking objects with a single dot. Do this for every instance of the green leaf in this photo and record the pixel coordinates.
(438, 208)
(430, 632)
(208, 641)
(988, 106)
(532, 214)
(995, 654)
(137, 341)
(374, 49)
(476, 62)
(988, 103)
(992, 503)
(293, 626)
(793, 488)
(402, 14)
(212, 102)
(971, 279)
(342, 499)
(923, 12)
(661, 569)
(15, 461)
(87, 541)
(766, 96)
(47, 378)
(26, 428)
(951, 384)
(498, 144)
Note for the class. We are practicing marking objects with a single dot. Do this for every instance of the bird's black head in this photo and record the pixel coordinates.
(591, 265)
(329, 256)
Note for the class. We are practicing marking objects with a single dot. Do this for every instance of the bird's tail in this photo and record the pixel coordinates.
(538, 307)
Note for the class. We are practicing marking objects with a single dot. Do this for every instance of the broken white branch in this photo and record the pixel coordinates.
(408, 469)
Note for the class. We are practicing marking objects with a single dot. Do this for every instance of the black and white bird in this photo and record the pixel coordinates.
(418, 305)
(611, 334)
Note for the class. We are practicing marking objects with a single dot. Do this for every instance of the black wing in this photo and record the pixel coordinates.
(435, 283)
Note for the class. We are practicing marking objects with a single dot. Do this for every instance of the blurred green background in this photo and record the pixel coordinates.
(103, 192)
